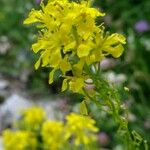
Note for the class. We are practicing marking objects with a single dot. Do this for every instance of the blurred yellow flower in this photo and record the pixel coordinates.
(52, 134)
(81, 128)
(19, 140)
(32, 118)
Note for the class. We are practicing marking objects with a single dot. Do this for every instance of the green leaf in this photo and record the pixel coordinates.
(83, 108)
(64, 85)
(51, 76)
(137, 138)
(37, 64)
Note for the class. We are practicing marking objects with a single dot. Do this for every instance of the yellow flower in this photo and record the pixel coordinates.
(81, 128)
(52, 134)
(76, 85)
(32, 118)
(113, 45)
(19, 140)
(69, 39)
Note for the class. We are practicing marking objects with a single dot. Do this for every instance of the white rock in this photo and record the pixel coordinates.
(51, 109)
(3, 84)
(13, 105)
(4, 45)
(116, 78)
(121, 78)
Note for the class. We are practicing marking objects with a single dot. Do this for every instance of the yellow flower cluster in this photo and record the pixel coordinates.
(81, 128)
(53, 135)
(69, 38)
(19, 140)
(33, 117)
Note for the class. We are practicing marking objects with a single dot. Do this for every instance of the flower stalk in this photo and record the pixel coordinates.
(71, 41)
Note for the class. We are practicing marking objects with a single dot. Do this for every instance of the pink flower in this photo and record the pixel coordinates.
(38, 1)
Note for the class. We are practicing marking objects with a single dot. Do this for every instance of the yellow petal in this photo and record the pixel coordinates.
(40, 45)
(45, 57)
(76, 85)
(69, 46)
(118, 50)
(34, 16)
(55, 58)
(83, 50)
(51, 76)
(65, 65)
(78, 68)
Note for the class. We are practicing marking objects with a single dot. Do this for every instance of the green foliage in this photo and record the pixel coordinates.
(123, 16)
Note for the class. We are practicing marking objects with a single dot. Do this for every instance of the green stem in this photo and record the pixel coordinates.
(109, 95)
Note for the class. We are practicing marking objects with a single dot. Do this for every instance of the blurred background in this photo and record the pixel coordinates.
(21, 86)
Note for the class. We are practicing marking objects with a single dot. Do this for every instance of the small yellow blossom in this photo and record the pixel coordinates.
(52, 133)
(19, 140)
(82, 128)
(32, 118)
(76, 84)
